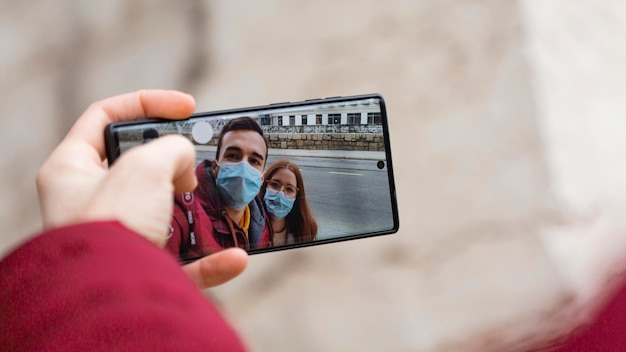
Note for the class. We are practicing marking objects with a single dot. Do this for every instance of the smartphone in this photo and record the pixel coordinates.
(311, 172)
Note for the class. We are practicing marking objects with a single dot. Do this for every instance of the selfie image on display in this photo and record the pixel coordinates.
(279, 176)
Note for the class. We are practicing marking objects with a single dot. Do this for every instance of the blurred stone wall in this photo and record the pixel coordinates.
(506, 132)
(334, 141)
(60, 56)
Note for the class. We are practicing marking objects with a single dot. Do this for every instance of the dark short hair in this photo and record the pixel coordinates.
(244, 123)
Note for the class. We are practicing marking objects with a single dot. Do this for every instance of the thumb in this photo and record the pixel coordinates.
(138, 189)
(182, 154)
(217, 268)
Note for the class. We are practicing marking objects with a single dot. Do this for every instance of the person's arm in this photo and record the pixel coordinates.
(606, 332)
(97, 277)
(101, 286)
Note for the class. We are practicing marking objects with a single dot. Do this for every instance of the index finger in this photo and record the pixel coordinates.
(89, 128)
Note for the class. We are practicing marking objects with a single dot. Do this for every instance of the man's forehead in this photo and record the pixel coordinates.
(245, 140)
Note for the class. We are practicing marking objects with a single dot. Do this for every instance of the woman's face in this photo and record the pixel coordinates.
(286, 179)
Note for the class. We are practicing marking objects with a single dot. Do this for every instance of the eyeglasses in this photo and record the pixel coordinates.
(275, 187)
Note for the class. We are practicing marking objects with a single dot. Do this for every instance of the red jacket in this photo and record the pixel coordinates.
(201, 226)
(100, 286)
(606, 333)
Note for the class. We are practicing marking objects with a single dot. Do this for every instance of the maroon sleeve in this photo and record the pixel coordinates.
(178, 229)
(100, 286)
(607, 332)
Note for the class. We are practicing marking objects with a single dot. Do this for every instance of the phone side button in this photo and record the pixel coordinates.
(285, 102)
(339, 96)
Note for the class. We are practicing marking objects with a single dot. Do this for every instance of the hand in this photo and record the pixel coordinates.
(75, 186)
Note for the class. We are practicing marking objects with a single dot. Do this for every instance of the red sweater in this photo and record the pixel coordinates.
(100, 286)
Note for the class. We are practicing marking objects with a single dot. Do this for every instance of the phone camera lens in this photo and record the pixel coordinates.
(149, 135)
(380, 164)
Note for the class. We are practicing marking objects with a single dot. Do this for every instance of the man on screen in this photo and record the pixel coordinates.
(223, 211)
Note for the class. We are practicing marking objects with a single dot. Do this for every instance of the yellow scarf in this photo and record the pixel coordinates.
(244, 223)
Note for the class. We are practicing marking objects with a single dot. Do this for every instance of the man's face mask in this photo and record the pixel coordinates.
(238, 183)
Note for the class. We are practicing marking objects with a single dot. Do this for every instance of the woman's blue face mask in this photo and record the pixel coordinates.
(277, 204)
(238, 183)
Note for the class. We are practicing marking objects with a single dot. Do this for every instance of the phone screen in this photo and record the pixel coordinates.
(320, 172)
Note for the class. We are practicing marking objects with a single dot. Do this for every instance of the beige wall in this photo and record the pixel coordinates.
(506, 134)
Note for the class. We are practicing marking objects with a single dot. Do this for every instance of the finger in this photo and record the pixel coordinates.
(140, 104)
(65, 182)
(217, 268)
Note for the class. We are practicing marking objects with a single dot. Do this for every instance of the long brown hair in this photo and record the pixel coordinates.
(300, 220)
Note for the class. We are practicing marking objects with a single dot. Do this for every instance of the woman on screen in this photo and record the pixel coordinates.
(285, 201)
